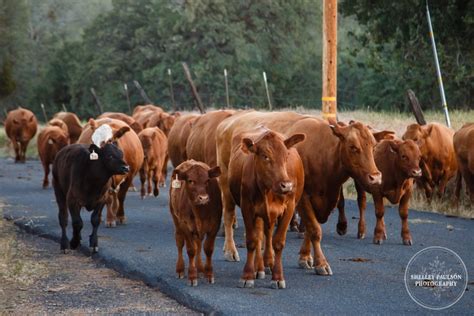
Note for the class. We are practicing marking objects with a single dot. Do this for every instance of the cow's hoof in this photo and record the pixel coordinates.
(156, 192)
(211, 280)
(301, 235)
(180, 275)
(281, 284)
(110, 224)
(122, 220)
(193, 282)
(65, 251)
(384, 236)
(235, 225)
(360, 235)
(324, 270)
(306, 263)
(407, 242)
(246, 283)
(233, 257)
(294, 228)
(142, 197)
(260, 275)
(74, 243)
(268, 270)
(342, 228)
(378, 241)
(94, 249)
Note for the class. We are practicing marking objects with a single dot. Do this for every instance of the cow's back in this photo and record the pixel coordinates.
(178, 138)
(73, 124)
(68, 165)
(201, 144)
(123, 117)
(21, 125)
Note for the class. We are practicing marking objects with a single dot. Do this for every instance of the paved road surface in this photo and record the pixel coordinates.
(145, 248)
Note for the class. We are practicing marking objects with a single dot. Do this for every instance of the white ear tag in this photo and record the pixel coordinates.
(50, 141)
(93, 155)
(176, 184)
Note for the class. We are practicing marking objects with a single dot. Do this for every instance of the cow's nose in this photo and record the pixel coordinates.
(125, 169)
(203, 198)
(286, 186)
(375, 178)
(416, 172)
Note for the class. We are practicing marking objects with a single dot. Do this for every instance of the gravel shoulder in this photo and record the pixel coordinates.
(34, 279)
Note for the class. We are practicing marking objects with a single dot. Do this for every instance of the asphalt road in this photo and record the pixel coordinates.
(144, 248)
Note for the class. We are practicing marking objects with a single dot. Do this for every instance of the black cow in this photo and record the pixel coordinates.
(80, 181)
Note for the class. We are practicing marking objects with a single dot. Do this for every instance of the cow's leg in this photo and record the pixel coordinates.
(142, 181)
(16, 147)
(342, 220)
(379, 232)
(121, 199)
(279, 240)
(442, 184)
(112, 206)
(251, 236)
(192, 270)
(23, 146)
(46, 175)
(305, 258)
(63, 219)
(179, 237)
(230, 251)
(156, 180)
(457, 192)
(199, 264)
(403, 211)
(75, 209)
(258, 263)
(95, 221)
(164, 172)
(315, 234)
(208, 250)
(362, 203)
(269, 254)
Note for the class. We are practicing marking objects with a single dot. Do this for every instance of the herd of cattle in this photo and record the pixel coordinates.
(273, 165)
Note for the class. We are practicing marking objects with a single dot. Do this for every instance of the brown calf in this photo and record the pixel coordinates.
(154, 145)
(73, 125)
(59, 123)
(50, 141)
(266, 180)
(464, 147)
(20, 127)
(196, 208)
(399, 162)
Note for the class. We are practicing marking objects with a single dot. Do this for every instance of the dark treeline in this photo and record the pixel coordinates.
(54, 51)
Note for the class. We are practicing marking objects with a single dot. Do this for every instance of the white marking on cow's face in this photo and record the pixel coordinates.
(50, 141)
(101, 135)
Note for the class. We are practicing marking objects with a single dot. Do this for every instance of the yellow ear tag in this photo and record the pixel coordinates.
(176, 184)
(93, 156)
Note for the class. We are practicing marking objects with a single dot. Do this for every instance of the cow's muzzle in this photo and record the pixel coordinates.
(202, 199)
(416, 173)
(124, 169)
(374, 178)
(286, 187)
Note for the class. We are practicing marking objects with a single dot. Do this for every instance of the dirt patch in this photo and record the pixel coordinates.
(35, 278)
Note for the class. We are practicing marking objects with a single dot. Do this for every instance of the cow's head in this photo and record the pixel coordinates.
(418, 134)
(111, 158)
(147, 141)
(271, 151)
(165, 122)
(194, 178)
(408, 157)
(357, 152)
(58, 138)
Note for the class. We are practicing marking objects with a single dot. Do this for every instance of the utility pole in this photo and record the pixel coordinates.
(329, 96)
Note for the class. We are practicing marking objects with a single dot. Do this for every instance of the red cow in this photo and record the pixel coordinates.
(50, 141)
(196, 208)
(154, 145)
(73, 124)
(178, 138)
(20, 127)
(266, 180)
(125, 118)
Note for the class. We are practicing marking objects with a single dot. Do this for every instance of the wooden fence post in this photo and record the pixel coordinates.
(97, 102)
(44, 113)
(268, 92)
(196, 96)
(125, 87)
(226, 89)
(142, 92)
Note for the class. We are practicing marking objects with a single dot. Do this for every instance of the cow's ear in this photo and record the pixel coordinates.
(120, 132)
(214, 172)
(427, 130)
(379, 136)
(177, 114)
(15, 121)
(32, 118)
(51, 141)
(294, 139)
(394, 146)
(338, 130)
(92, 124)
(248, 146)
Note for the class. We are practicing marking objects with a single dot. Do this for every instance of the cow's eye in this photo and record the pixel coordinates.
(265, 157)
(354, 149)
(404, 157)
(190, 181)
